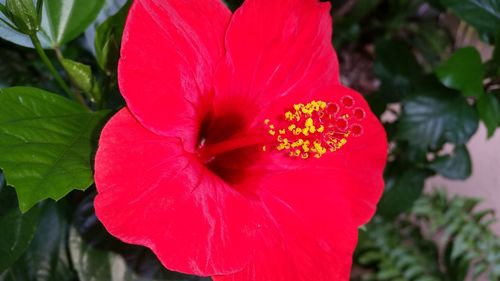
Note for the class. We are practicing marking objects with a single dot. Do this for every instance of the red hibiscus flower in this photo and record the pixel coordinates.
(239, 155)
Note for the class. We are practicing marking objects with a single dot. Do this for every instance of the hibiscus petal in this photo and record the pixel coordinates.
(305, 236)
(275, 47)
(169, 52)
(153, 193)
(358, 165)
(316, 205)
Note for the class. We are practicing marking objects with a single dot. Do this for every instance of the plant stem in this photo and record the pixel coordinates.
(41, 52)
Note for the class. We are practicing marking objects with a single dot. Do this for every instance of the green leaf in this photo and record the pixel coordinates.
(62, 21)
(463, 71)
(46, 258)
(431, 41)
(489, 111)
(46, 144)
(17, 230)
(397, 68)
(108, 37)
(482, 14)
(402, 189)
(80, 73)
(435, 115)
(98, 265)
(3, 9)
(69, 18)
(23, 14)
(457, 166)
(95, 265)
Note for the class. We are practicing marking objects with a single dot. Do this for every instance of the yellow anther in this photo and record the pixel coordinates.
(315, 136)
(305, 131)
(309, 122)
(305, 147)
(264, 148)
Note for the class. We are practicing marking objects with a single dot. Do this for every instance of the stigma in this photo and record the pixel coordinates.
(314, 129)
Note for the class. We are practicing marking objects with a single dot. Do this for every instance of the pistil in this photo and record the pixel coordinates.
(209, 152)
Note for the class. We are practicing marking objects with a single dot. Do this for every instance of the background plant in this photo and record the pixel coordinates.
(418, 61)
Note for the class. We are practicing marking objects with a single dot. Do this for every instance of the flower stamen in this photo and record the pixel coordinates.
(315, 128)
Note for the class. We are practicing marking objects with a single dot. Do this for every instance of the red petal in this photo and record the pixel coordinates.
(275, 47)
(153, 193)
(307, 232)
(356, 168)
(316, 205)
(169, 52)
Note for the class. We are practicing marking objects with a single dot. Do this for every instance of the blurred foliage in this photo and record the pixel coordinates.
(440, 238)
(429, 69)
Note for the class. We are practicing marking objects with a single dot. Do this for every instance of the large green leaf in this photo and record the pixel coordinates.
(435, 115)
(483, 14)
(96, 265)
(402, 188)
(46, 144)
(489, 112)
(457, 166)
(397, 68)
(62, 21)
(17, 230)
(46, 258)
(463, 71)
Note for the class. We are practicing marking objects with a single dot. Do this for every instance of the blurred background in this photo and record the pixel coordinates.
(430, 70)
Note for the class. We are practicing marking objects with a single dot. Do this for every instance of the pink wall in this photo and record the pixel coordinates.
(485, 180)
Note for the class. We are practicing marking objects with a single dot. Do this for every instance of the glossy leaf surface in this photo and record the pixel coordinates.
(46, 144)
(46, 258)
(457, 166)
(62, 21)
(489, 111)
(482, 14)
(17, 229)
(435, 115)
(403, 187)
(463, 71)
